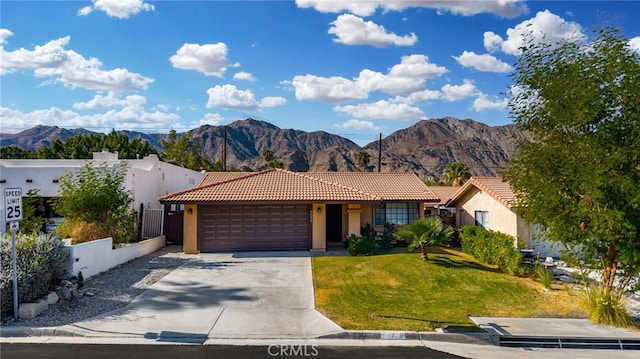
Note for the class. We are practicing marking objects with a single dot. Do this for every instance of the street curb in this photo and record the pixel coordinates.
(481, 338)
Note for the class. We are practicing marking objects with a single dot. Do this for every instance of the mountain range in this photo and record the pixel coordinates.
(424, 148)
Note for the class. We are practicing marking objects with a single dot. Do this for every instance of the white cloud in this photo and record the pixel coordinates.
(482, 103)
(270, 101)
(502, 8)
(544, 27)
(404, 78)
(419, 96)
(122, 9)
(229, 97)
(70, 68)
(458, 92)
(353, 30)
(382, 110)
(211, 119)
(112, 99)
(417, 66)
(131, 118)
(210, 59)
(326, 89)
(358, 125)
(244, 76)
(635, 44)
(484, 62)
(492, 41)
(4, 34)
(85, 11)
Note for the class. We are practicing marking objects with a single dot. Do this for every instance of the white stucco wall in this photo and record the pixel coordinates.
(95, 257)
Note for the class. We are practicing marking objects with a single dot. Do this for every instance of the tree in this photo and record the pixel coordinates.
(578, 173)
(425, 232)
(31, 221)
(184, 151)
(363, 159)
(15, 152)
(456, 174)
(267, 154)
(94, 200)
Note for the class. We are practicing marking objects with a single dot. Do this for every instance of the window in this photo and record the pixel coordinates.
(397, 213)
(482, 218)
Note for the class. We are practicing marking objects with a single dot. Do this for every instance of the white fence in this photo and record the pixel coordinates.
(152, 222)
(95, 257)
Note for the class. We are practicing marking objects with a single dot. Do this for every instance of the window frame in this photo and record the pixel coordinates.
(394, 213)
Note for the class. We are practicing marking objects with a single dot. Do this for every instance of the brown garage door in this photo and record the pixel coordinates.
(267, 227)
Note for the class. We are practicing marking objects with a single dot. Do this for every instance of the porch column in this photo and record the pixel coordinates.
(319, 227)
(353, 212)
(190, 231)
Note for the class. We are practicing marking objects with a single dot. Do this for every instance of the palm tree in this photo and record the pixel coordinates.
(363, 159)
(456, 174)
(425, 232)
(267, 154)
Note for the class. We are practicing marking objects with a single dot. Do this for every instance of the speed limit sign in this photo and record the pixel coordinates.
(12, 204)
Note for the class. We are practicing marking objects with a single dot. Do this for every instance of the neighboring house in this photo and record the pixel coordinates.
(146, 179)
(282, 210)
(440, 209)
(490, 202)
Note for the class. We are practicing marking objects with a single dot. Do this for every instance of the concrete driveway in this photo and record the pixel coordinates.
(221, 295)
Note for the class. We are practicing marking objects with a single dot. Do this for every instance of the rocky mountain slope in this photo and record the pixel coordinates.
(424, 148)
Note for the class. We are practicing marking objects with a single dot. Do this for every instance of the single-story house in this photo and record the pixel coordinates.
(490, 202)
(440, 209)
(146, 179)
(282, 210)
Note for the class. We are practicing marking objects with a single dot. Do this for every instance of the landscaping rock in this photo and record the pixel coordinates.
(32, 310)
(566, 279)
(63, 292)
(76, 294)
(52, 298)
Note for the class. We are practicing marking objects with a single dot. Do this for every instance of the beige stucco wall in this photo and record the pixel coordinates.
(501, 218)
(190, 230)
(319, 227)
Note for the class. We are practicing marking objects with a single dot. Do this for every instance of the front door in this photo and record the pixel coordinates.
(334, 223)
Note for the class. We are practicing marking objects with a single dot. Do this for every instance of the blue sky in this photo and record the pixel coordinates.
(353, 68)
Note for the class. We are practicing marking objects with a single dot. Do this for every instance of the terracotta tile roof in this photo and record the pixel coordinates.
(216, 177)
(445, 193)
(496, 187)
(278, 185)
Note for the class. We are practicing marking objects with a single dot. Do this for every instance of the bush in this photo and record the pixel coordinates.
(607, 306)
(41, 263)
(492, 247)
(544, 275)
(386, 237)
(361, 245)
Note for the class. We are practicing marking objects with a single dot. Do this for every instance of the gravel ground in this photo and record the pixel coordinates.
(112, 289)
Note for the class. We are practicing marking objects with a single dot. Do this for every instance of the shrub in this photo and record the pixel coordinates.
(360, 245)
(492, 247)
(386, 237)
(41, 262)
(607, 306)
(544, 275)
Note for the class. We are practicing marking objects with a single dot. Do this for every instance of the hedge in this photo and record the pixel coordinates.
(492, 247)
(41, 262)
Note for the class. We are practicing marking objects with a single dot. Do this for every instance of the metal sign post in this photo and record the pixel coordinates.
(13, 213)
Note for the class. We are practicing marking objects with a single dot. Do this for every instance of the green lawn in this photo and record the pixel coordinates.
(399, 291)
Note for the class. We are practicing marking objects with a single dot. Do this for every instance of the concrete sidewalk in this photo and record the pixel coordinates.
(551, 327)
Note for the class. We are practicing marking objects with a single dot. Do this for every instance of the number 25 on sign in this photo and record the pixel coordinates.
(13, 204)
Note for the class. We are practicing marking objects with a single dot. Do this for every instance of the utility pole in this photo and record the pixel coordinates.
(380, 153)
(224, 151)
